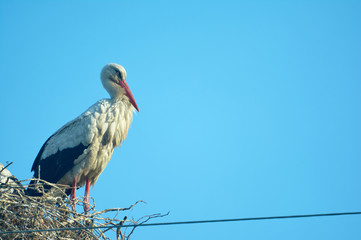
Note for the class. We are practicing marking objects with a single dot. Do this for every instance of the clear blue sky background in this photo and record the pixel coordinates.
(247, 108)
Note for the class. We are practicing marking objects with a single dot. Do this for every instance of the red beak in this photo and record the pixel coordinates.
(129, 94)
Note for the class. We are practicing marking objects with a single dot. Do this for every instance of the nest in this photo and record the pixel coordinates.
(52, 215)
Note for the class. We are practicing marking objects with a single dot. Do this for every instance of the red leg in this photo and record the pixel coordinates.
(86, 197)
(73, 191)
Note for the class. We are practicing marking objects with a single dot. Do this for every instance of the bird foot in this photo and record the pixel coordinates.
(86, 208)
(73, 200)
(86, 197)
(73, 195)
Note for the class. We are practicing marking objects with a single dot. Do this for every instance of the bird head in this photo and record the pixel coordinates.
(113, 79)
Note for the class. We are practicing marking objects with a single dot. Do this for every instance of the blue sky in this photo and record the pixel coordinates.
(247, 108)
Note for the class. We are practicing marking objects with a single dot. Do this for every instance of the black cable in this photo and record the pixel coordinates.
(250, 219)
(186, 222)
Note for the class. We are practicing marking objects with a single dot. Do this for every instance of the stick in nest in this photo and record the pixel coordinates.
(34, 217)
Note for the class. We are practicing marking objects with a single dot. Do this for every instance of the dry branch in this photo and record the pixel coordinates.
(53, 210)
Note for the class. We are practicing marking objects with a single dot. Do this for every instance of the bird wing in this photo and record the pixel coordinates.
(56, 157)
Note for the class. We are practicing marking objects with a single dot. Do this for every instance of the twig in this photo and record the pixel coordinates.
(52, 210)
(6, 167)
(149, 217)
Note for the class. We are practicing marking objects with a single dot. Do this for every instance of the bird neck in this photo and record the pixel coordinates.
(123, 101)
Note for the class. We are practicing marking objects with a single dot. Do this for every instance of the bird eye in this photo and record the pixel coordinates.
(120, 75)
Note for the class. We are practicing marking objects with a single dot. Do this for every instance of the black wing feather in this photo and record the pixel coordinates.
(55, 166)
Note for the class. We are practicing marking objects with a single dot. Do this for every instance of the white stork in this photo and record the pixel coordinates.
(78, 152)
(6, 176)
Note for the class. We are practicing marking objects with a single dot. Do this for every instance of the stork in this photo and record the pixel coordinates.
(5, 176)
(78, 152)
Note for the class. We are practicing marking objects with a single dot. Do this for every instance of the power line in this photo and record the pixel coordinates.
(251, 219)
(186, 222)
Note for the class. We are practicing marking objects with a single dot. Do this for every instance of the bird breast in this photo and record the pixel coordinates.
(105, 126)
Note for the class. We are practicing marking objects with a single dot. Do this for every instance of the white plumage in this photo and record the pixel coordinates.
(79, 151)
(5, 176)
(102, 127)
